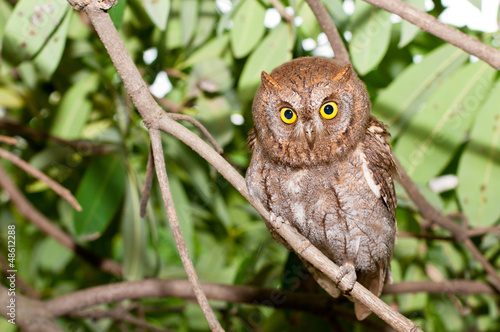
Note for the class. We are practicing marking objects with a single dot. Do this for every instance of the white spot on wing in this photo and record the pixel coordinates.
(368, 175)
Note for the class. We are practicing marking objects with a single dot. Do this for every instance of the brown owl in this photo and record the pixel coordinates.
(323, 163)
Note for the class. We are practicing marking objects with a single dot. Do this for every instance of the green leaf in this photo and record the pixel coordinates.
(336, 11)
(215, 114)
(248, 27)
(210, 75)
(30, 26)
(370, 37)
(117, 12)
(408, 30)
(396, 104)
(158, 11)
(213, 49)
(206, 23)
(100, 194)
(413, 302)
(479, 168)
(47, 61)
(47, 250)
(272, 52)
(439, 128)
(9, 98)
(183, 210)
(476, 3)
(189, 16)
(74, 109)
(134, 234)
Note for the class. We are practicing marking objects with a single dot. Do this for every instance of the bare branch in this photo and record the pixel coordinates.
(161, 174)
(281, 9)
(197, 124)
(56, 187)
(430, 24)
(27, 210)
(329, 28)
(463, 287)
(8, 140)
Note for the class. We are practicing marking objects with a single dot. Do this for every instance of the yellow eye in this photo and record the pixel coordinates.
(329, 110)
(288, 115)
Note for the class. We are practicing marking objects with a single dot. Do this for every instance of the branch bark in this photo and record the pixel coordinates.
(329, 28)
(430, 24)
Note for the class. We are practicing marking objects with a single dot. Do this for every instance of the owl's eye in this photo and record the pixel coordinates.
(288, 115)
(329, 110)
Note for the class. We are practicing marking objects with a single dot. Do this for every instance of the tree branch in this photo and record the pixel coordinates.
(161, 174)
(430, 24)
(329, 28)
(56, 187)
(429, 212)
(27, 210)
(281, 9)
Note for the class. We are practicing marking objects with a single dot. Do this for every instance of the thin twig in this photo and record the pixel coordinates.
(460, 234)
(56, 187)
(281, 9)
(197, 124)
(424, 236)
(329, 28)
(430, 24)
(27, 210)
(148, 182)
(8, 140)
(161, 173)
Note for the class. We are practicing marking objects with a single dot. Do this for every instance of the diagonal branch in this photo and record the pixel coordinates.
(161, 173)
(58, 189)
(449, 34)
(329, 28)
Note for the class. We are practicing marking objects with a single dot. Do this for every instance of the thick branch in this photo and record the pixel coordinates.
(329, 28)
(430, 24)
(45, 225)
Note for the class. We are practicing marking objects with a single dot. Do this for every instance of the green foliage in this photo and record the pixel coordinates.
(58, 79)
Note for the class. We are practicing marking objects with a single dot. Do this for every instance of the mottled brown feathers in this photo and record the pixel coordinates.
(329, 174)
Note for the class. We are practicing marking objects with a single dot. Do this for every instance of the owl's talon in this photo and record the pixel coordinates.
(347, 274)
(276, 221)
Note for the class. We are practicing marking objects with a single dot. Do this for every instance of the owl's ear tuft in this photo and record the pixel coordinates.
(344, 75)
(268, 82)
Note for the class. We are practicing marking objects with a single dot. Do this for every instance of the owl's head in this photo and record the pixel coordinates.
(310, 111)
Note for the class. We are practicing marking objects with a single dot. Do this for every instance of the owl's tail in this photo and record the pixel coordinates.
(374, 282)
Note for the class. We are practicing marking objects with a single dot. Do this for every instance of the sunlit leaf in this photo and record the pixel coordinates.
(248, 27)
(479, 168)
(47, 61)
(396, 104)
(371, 34)
(272, 52)
(9, 98)
(436, 130)
(30, 26)
(100, 194)
(408, 30)
(74, 109)
(158, 11)
(189, 19)
(213, 49)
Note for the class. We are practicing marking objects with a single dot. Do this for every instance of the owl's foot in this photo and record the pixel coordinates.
(347, 275)
(276, 221)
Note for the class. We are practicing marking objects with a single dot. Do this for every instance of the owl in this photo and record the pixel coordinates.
(322, 162)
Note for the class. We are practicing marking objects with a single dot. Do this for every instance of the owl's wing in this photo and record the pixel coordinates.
(252, 136)
(380, 162)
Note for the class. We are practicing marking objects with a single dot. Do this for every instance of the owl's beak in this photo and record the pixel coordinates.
(310, 136)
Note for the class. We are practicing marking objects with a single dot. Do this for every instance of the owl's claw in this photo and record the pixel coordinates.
(347, 274)
(276, 221)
